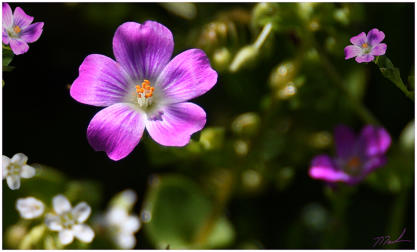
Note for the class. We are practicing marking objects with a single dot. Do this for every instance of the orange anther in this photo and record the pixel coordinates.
(152, 89)
(17, 29)
(364, 45)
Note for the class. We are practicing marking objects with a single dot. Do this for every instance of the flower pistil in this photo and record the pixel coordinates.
(144, 93)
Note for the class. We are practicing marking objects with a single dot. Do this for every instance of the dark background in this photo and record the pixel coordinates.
(41, 120)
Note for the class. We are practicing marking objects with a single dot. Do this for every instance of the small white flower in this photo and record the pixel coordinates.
(15, 168)
(122, 226)
(69, 221)
(30, 207)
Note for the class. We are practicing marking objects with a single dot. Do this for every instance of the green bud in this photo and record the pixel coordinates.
(33, 237)
(407, 137)
(241, 147)
(221, 58)
(282, 74)
(342, 16)
(246, 124)
(251, 180)
(262, 12)
(212, 138)
(15, 234)
(244, 57)
(320, 139)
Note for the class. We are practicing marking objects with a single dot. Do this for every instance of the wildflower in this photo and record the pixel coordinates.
(30, 207)
(122, 227)
(69, 221)
(18, 30)
(143, 89)
(15, 168)
(365, 47)
(357, 156)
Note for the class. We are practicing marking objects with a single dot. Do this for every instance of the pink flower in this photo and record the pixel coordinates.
(365, 47)
(357, 156)
(143, 88)
(18, 30)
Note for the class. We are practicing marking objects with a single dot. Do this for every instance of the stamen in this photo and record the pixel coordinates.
(354, 162)
(365, 45)
(17, 29)
(146, 90)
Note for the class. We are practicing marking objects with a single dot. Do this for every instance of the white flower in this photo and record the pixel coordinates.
(15, 168)
(30, 207)
(122, 226)
(69, 221)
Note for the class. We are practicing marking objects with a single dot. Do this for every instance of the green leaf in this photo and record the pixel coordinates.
(7, 56)
(178, 211)
(393, 74)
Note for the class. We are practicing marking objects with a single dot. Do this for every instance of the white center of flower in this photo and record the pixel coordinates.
(14, 31)
(144, 93)
(67, 220)
(13, 169)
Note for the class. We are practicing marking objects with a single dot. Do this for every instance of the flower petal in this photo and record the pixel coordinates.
(19, 159)
(116, 130)
(131, 225)
(13, 181)
(66, 236)
(18, 46)
(5, 163)
(143, 49)
(322, 167)
(176, 123)
(375, 37)
(359, 39)
(5, 36)
(101, 82)
(53, 222)
(352, 51)
(7, 16)
(379, 49)
(126, 241)
(27, 171)
(345, 141)
(83, 233)
(364, 58)
(21, 18)
(61, 204)
(188, 75)
(32, 32)
(374, 140)
(81, 212)
(30, 207)
(373, 163)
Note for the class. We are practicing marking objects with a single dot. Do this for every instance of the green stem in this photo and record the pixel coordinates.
(396, 221)
(357, 105)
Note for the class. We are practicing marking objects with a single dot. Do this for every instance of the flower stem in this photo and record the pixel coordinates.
(359, 108)
(262, 37)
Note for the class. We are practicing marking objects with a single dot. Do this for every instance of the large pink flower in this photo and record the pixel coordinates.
(18, 30)
(142, 89)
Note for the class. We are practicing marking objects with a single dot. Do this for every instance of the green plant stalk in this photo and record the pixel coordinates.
(393, 74)
(396, 220)
(359, 108)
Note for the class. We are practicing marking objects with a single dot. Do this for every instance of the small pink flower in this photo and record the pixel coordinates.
(365, 47)
(18, 30)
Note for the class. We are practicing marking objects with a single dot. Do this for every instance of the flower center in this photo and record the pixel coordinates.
(67, 220)
(13, 169)
(353, 165)
(144, 93)
(365, 45)
(17, 29)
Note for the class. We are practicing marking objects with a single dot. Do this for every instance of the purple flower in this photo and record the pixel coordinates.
(18, 30)
(142, 89)
(365, 47)
(357, 156)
